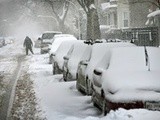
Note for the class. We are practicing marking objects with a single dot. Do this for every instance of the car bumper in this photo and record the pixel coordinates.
(98, 100)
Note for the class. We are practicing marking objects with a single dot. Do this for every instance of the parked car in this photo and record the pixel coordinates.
(86, 68)
(57, 40)
(47, 39)
(78, 51)
(57, 61)
(130, 81)
(2, 41)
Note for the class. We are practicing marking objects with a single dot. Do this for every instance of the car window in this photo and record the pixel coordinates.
(48, 35)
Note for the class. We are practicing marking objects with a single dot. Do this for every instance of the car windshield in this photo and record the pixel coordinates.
(48, 35)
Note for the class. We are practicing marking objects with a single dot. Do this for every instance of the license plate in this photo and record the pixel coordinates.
(153, 105)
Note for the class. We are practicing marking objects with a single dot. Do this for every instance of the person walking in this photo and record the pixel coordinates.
(28, 45)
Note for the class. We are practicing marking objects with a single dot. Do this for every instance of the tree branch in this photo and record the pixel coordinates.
(149, 1)
(83, 5)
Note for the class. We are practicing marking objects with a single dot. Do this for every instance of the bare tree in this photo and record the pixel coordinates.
(60, 9)
(93, 29)
(155, 3)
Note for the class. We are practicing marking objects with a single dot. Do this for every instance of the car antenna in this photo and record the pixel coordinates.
(147, 58)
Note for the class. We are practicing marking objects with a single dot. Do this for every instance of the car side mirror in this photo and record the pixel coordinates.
(66, 57)
(97, 77)
(98, 71)
(84, 62)
(39, 38)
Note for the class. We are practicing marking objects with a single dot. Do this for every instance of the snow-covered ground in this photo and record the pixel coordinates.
(60, 100)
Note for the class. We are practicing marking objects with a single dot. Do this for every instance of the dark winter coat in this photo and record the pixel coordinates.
(27, 42)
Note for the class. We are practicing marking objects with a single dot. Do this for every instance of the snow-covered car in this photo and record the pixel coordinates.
(57, 40)
(46, 40)
(57, 61)
(131, 80)
(86, 68)
(78, 51)
(2, 41)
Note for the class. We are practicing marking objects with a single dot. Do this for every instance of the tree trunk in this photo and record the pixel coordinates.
(89, 26)
(62, 26)
(93, 29)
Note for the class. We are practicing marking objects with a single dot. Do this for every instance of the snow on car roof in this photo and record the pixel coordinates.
(64, 35)
(52, 32)
(128, 75)
(57, 41)
(100, 50)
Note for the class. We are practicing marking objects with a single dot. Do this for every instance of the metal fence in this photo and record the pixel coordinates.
(147, 36)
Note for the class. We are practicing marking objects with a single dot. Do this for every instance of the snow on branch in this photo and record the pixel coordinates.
(153, 14)
(92, 6)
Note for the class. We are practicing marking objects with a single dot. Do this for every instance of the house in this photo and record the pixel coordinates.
(116, 13)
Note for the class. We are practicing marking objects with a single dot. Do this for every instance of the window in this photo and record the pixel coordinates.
(125, 19)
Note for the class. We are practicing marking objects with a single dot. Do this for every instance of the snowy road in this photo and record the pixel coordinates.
(10, 63)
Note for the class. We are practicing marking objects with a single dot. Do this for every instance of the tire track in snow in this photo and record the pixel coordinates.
(10, 91)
